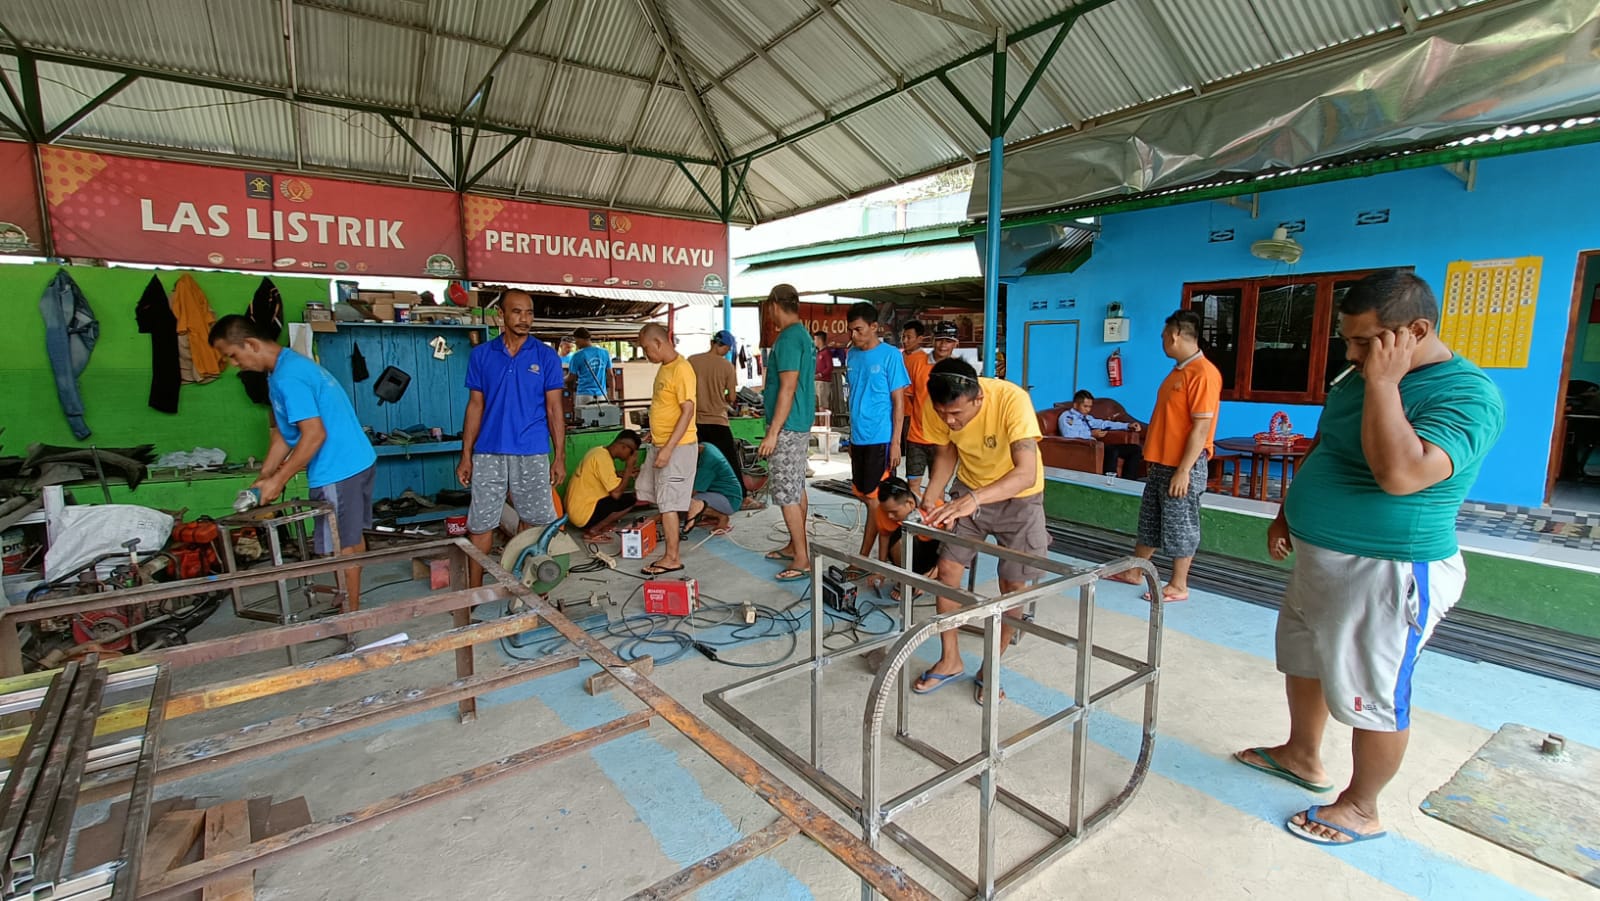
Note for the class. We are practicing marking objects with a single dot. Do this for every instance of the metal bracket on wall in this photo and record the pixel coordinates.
(1251, 204)
(1466, 170)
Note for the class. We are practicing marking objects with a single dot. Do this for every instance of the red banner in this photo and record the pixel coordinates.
(516, 241)
(823, 317)
(146, 211)
(21, 230)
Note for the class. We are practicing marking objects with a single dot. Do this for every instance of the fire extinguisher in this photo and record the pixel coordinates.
(1114, 368)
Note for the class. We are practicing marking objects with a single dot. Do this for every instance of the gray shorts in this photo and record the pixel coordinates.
(716, 501)
(1016, 524)
(1171, 523)
(671, 487)
(524, 478)
(1358, 624)
(352, 508)
(787, 467)
(918, 456)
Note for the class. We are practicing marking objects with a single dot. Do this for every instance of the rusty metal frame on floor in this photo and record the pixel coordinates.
(106, 770)
(873, 807)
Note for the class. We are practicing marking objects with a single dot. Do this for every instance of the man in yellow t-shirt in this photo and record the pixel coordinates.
(597, 496)
(989, 428)
(667, 480)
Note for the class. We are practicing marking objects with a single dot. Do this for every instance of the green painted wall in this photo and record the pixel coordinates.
(1518, 590)
(116, 385)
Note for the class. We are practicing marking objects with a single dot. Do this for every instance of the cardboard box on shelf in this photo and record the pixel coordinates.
(325, 326)
(383, 310)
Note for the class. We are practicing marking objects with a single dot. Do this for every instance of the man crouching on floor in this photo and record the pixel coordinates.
(989, 427)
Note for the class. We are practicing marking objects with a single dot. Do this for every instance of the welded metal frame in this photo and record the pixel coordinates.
(874, 810)
(297, 518)
(106, 773)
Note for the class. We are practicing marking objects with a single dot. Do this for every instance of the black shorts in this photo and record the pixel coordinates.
(608, 505)
(924, 554)
(869, 466)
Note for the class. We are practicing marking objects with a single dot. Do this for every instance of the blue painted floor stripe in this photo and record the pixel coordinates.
(669, 801)
(1407, 865)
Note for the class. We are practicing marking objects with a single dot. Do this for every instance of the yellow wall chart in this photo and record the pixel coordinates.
(1488, 310)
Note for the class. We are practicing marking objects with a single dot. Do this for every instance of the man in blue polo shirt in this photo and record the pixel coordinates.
(877, 378)
(588, 371)
(513, 424)
(312, 427)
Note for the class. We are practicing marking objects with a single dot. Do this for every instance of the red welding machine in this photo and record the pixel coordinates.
(671, 598)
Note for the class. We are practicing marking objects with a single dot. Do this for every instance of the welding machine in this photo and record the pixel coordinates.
(838, 593)
(670, 597)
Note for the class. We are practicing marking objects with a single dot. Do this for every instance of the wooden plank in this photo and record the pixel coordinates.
(169, 841)
(228, 829)
(604, 681)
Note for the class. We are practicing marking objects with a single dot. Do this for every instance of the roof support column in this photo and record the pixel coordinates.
(991, 257)
(728, 200)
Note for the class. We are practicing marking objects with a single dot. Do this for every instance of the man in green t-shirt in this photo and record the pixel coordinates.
(1371, 521)
(789, 398)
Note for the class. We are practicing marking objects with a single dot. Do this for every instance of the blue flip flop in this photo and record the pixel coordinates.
(1301, 832)
(939, 680)
(1274, 768)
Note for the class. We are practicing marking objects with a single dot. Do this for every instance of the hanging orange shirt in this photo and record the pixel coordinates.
(918, 366)
(196, 359)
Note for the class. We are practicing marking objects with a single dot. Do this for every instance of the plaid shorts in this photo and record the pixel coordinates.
(788, 467)
(1171, 523)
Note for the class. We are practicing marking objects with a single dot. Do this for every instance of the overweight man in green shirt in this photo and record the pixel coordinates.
(1371, 521)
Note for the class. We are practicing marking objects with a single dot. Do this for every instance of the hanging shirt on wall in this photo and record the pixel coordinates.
(266, 314)
(154, 315)
(198, 361)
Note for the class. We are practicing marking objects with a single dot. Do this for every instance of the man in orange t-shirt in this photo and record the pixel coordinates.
(917, 451)
(1183, 428)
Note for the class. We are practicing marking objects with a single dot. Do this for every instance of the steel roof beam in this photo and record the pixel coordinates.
(431, 32)
(744, 37)
(638, 126)
(493, 161)
(1062, 106)
(479, 92)
(377, 109)
(1169, 43)
(938, 12)
(809, 17)
(95, 103)
(827, 6)
(1082, 9)
(718, 147)
(755, 115)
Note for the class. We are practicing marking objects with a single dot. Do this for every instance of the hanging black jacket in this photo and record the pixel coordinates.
(154, 314)
(266, 313)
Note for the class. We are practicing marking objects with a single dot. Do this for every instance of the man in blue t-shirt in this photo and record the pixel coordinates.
(512, 428)
(588, 371)
(1371, 522)
(877, 378)
(312, 427)
(789, 400)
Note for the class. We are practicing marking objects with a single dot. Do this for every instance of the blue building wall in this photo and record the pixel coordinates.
(1537, 204)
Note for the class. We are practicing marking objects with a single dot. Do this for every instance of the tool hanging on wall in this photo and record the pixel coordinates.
(441, 347)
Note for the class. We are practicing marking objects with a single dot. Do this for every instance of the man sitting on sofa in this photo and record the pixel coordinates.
(1076, 422)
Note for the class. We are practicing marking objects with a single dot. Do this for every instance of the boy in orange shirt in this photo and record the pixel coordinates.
(918, 452)
(1178, 443)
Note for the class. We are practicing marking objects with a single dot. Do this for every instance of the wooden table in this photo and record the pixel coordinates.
(1261, 457)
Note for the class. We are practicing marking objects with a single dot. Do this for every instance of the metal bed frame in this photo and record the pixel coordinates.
(877, 812)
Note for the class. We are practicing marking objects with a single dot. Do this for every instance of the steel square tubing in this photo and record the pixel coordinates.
(27, 699)
(1030, 734)
(22, 784)
(884, 875)
(137, 824)
(718, 863)
(52, 846)
(65, 746)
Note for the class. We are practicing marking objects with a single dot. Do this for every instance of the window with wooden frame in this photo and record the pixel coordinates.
(1276, 340)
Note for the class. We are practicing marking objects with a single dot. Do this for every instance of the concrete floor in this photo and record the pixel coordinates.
(607, 823)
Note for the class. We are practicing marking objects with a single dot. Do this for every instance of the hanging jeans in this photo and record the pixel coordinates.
(70, 331)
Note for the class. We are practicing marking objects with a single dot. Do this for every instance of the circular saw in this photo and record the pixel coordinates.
(540, 558)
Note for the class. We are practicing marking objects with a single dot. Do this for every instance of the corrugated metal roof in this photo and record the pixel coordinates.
(893, 267)
(584, 70)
